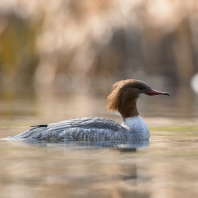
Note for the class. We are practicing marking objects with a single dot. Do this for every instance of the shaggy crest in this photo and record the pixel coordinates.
(114, 98)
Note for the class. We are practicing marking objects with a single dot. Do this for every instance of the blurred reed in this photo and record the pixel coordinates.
(81, 46)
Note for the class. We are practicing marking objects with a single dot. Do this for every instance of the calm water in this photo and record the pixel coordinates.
(165, 167)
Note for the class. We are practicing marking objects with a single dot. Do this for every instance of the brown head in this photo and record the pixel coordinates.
(124, 96)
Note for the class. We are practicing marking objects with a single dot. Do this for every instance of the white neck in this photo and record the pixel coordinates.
(136, 125)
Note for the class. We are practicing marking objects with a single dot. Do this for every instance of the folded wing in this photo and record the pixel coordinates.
(85, 129)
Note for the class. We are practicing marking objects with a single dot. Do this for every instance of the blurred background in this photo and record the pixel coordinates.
(52, 50)
(59, 59)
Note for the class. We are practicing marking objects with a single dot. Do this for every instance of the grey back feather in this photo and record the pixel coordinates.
(84, 129)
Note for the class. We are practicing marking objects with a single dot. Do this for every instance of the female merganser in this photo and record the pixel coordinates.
(123, 99)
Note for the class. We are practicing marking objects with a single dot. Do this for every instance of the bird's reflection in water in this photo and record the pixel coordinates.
(91, 168)
(129, 146)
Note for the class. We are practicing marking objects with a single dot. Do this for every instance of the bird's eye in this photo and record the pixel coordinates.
(140, 88)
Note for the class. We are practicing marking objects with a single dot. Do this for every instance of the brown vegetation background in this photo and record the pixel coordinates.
(86, 45)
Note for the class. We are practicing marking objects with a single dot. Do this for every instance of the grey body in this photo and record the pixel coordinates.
(82, 129)
(123, 99)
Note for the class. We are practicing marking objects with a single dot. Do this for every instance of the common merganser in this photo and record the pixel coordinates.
(123, 99)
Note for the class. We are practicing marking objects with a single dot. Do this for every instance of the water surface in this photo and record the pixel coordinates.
(165, 167)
